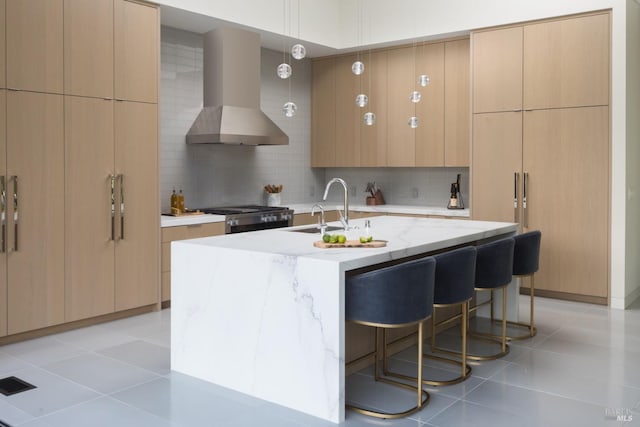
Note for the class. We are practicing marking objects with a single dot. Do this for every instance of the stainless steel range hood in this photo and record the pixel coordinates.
(231, 113)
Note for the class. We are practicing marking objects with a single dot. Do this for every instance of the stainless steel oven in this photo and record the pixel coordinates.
(239, 219)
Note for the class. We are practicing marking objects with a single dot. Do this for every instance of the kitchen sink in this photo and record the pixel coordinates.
(315, 229)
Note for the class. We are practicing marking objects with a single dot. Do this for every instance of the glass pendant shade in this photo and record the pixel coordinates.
(369, 118)
(424, 80)
(357, 68)
(284, 70)
(413, 122)
(362, 100)
(298, 51)
(289, 109)
(415, 96)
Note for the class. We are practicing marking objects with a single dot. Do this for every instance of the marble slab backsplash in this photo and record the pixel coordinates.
(216, 175)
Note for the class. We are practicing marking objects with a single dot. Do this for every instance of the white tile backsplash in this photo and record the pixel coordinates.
(224, 174)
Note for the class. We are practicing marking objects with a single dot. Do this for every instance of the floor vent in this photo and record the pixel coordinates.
(13, 385)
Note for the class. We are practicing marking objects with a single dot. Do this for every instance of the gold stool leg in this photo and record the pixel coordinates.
(420, 348)
(504, 319)
(463, 323)
(532, 329)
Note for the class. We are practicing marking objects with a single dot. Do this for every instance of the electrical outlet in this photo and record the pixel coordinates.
(312, 191)
(352, 190)
(414, 193)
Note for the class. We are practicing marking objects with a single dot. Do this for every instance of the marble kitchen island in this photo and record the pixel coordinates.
(262, 313)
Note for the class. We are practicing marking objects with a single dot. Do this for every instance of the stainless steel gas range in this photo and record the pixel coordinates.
(252, 217)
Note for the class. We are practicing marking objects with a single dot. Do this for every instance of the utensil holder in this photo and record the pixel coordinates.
(273, 199)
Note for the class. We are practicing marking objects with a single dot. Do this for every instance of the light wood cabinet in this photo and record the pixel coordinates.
(307, 219)
(429, 148)
(35, 210)
(112, 237)
(3, 256)
(183, 232)
(89, 231)
(373, 139)
(566, 62)
(401, 138)
(348, 86)
(457, 103)
(136, 162)
(136, 51)
(323, 115)
(34, 45)
(566, 158)
(497, 70)
(559, 157)
(497, 166)
(88, 48)
(339, 136)
(3, 76)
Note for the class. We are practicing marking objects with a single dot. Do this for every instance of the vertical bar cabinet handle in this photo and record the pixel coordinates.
(121, 177)
(112, 180)
(3, 213)
(15, 212)
(524, 199)
(515, 197)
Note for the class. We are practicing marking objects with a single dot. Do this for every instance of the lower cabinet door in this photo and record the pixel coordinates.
(566, 158)
(89, 230)
(35, 211)
(137, 267)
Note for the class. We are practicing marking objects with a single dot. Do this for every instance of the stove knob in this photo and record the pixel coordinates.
(264, 218)
(232, 222)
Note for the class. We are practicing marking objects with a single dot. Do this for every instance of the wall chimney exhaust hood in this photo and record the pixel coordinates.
(231, 113)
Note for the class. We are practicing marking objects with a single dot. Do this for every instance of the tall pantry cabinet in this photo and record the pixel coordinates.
(540, 150)
(81, 230)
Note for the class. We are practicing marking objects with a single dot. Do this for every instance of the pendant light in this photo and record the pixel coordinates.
(415, 96)
(297, 51)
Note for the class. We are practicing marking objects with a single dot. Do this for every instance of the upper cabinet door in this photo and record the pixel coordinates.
(3, 80)
(373, 138)
(457, 108)
(323, 113)
(137, 40)
(348, 86)
(401, 147)
(566, 63)
(430, 131)
(34, 45)
(497, 70)
(88, 48)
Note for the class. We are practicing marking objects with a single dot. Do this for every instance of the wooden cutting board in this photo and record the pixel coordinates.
(351, 244)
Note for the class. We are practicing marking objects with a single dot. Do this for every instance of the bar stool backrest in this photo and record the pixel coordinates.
(526, 253)
(455, 276)
(494, 263)
(398, 294)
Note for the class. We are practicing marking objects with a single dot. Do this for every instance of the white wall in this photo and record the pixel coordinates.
(632, 251)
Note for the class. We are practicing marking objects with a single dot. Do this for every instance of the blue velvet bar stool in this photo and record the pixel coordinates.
(455, 280)
(454, 285)
(393, 297)
(526, 259)
(494, 270)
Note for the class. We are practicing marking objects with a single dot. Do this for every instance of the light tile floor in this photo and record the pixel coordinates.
(583, 366)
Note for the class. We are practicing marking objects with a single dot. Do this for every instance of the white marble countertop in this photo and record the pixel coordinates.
(405, 236)
(301, 208)
(263, 313)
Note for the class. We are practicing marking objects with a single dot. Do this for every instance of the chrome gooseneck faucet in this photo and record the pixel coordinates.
(344, 219)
